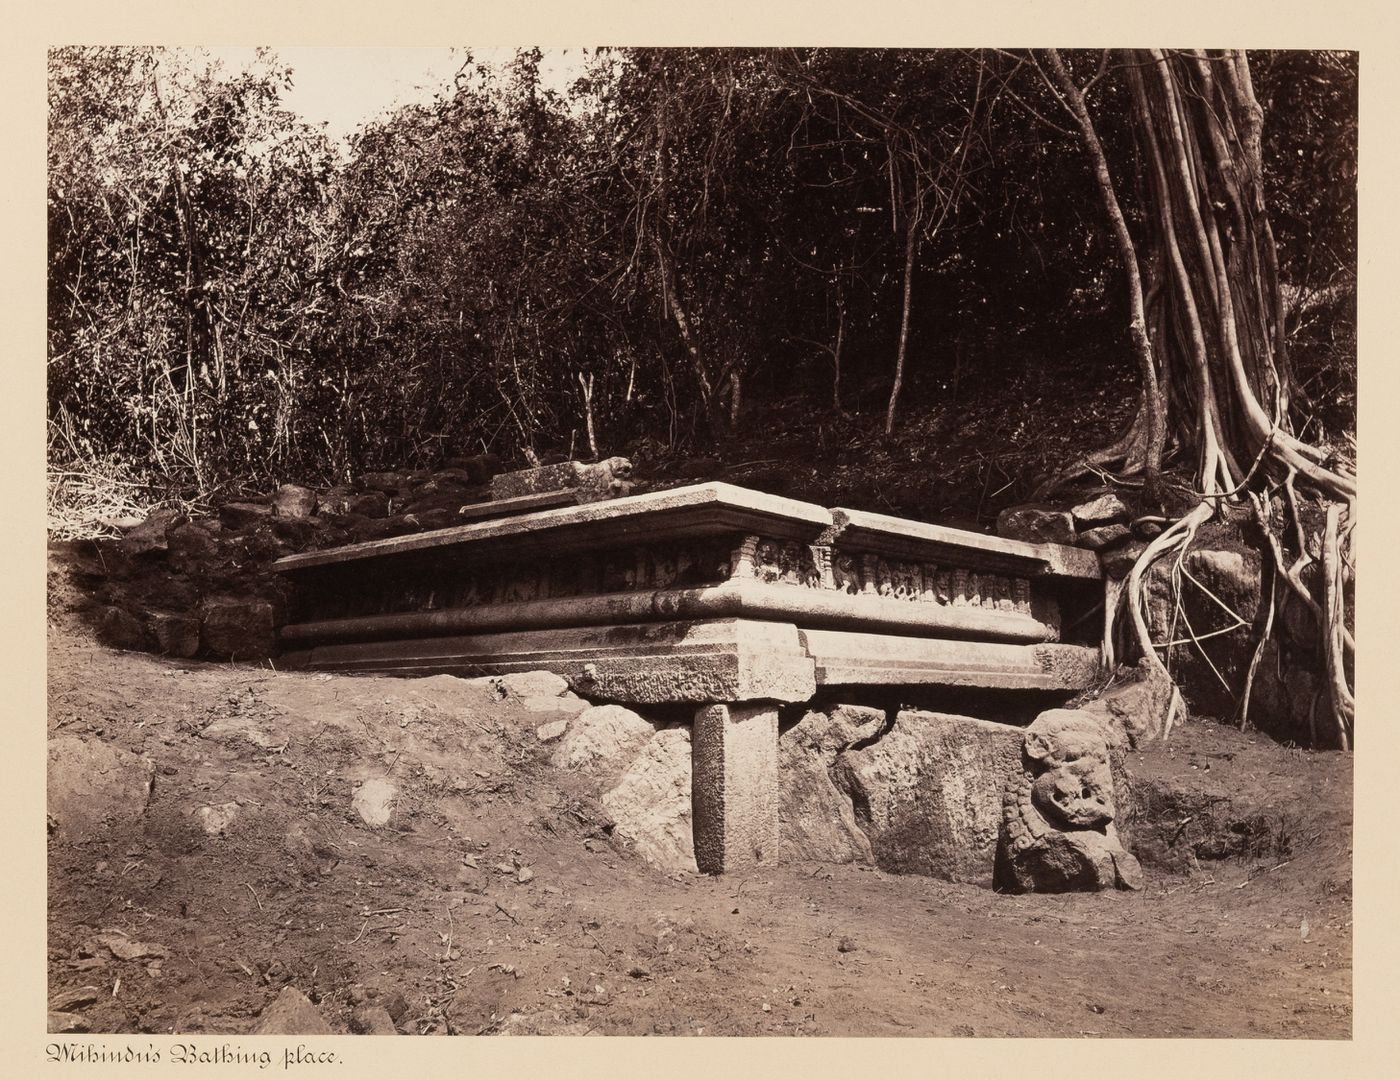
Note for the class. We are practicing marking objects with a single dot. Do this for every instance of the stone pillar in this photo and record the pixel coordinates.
(734, 786)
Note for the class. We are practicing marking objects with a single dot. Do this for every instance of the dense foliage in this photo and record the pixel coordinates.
(628, 266)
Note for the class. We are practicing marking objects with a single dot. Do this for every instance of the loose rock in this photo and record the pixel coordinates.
(66, 1023)
(215, 820)
(530, 684)
(551, 731)
(1036, 525)
(374, 802)
(291, 1013)
(72, 1000)
(607, 734)
(294, 501)
(1107, 508)
(1103, 537)
(372, 1020)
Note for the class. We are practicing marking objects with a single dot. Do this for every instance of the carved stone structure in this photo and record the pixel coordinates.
(608, 479)
(1058, 810)
(711, 594)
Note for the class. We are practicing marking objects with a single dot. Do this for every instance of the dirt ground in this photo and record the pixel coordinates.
(497, 901)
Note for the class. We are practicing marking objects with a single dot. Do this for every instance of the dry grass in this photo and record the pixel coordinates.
(96, 498)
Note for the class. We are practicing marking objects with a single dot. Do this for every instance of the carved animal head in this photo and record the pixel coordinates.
(620, 467)
(1074, 788)
(1075, 795)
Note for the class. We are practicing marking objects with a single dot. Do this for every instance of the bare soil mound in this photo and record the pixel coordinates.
(495, 898)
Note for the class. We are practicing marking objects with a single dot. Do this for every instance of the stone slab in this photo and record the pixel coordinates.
(854, 659)
(601, 480)
(929, 793)
(718, 660)
(682, 513)
(734, 787)
(905, 539)
(520, 504)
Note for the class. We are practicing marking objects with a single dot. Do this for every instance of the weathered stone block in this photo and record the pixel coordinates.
(294, 501)
(243, 515)
(177, 635)
(1219, 593)
(1105, 536)
(607, 479)
(816, 821)
(120, 629)
(237, 629)
(928, 793)
(1036, 524)
(734, 756)
(1118, 562)
(370, 504)
(1106, 508)
(192, 546)
(651, 804)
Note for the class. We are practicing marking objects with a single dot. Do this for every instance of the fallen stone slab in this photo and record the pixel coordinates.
(607, 479)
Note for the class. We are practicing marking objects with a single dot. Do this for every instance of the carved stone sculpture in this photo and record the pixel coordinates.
(1057, 826)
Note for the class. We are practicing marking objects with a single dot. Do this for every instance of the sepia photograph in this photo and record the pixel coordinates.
(699, 541)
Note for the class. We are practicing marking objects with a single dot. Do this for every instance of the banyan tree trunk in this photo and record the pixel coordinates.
(1204, 279)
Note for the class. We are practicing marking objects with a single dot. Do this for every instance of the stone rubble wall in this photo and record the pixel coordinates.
(1209, 604)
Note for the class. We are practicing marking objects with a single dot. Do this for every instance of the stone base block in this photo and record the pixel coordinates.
(717, 660)
(928, 793)
(734, 786)
(853, 659)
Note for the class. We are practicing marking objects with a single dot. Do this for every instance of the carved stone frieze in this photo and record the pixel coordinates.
(697, 564)
(817, 566)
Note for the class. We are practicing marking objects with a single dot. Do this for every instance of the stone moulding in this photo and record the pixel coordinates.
(704, 552)
(716, 660)
(648, 663)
